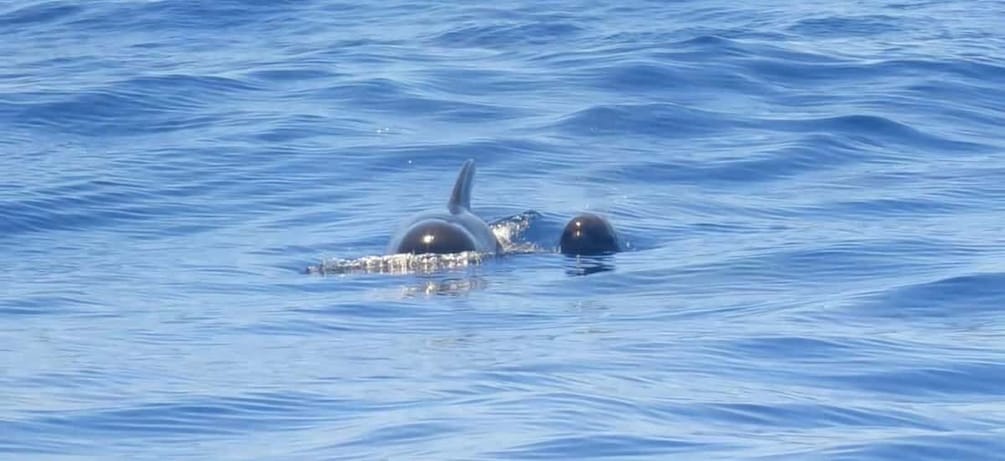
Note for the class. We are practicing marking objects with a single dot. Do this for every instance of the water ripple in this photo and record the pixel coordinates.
(812, 198)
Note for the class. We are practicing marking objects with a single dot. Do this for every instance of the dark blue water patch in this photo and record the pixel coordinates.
(402, 433)
(933, 446)
(668, 78)
(478, 82)
(28, 441)
(194, 88)
(297, 328)
(973, 70)
(803, 70)
(68, 213)
(84, 206)
(801, 73)
(604, 446)
(822, 264)
(970, 104)
(701, 47)
(350, 55)
(51, 304)
(291, 74)
(892, 207)
(188, 16)
(876, 130)
(204, 418)
(807, 415)
(508, 36)
(654, 119)
(443, 159)
(810, 153)
(298, 127)
(956, 378)
(384, 95)
(981, 294)
(359, 312)
(41, 13)
(914, 5)
(797, 348)
(140, 105)
(506, 378)
(846, 26)
(123, 204)
(771, 48)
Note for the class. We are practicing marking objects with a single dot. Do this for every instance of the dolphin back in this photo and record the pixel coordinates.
(460, 198)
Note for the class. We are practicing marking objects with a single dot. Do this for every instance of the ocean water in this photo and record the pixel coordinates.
(813, 197)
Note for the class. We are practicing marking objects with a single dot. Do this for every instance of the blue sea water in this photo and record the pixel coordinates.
(813, 194)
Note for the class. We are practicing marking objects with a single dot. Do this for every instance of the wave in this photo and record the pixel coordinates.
(973, 296)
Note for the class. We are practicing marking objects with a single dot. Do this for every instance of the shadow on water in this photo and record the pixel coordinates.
(586, 265)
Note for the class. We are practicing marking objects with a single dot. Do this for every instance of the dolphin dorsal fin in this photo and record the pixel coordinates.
(460, 198)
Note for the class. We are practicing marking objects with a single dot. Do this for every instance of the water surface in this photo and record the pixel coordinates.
(814, 196)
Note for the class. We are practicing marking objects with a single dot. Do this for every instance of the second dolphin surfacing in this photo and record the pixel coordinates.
(453, 230)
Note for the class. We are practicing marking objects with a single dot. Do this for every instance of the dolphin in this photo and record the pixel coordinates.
(589, 234)
(454, 230)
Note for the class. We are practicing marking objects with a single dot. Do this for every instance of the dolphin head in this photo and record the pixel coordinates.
(589, 234)
(434, 236)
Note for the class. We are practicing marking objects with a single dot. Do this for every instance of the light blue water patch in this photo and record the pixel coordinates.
(812, 197)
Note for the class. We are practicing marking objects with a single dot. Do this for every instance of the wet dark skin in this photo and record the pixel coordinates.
(589, 234)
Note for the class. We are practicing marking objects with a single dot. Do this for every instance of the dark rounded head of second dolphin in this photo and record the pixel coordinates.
(455, 231)
(589, 234)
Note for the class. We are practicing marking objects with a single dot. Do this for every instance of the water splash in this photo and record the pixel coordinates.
(397, 264)
(512, 233)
